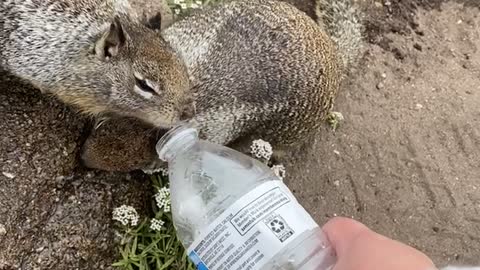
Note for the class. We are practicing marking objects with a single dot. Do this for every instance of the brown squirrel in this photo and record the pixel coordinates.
(259, 69)
(94, 54)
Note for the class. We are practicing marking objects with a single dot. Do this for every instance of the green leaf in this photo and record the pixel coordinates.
(167, 263)
(134, 245)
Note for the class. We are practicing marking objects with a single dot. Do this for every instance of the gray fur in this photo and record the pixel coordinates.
(258, 67)
(342, 19)
(51, 43)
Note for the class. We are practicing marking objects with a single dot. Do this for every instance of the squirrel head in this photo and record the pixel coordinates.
(141, 75)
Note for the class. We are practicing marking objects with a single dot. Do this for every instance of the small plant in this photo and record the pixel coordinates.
(152, 244)
(184, 7)
(334, 119)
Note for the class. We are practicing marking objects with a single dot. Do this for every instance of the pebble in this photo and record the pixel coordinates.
(3, 231)
(8, 175)
(419, 106)
(336, 183)
(336, 152)
(417, 46)
(384, 75)
(380, 85)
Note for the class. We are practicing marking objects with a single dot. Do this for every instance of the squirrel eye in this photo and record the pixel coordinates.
(144, 85)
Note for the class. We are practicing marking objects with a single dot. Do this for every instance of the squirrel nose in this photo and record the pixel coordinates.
(187, 114)
(188, 110)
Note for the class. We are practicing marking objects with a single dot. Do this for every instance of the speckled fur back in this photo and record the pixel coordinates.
(260, 67)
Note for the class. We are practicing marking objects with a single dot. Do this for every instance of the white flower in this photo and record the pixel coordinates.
(177, 2)
(156, 224)
(163, 199)
(126, 215)
(279, 170)
(183, 6)
(194, 5)
(167, 208)
(261, 149)
(162, 171)
(151, 171)
(198, 2)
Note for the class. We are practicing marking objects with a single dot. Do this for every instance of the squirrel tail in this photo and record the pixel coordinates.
(342, 20)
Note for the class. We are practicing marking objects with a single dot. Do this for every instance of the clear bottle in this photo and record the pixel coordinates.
(232, 212)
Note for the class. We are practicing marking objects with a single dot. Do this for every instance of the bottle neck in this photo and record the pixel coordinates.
(176, 141)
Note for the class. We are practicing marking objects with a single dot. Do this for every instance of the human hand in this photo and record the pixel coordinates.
(359, 248)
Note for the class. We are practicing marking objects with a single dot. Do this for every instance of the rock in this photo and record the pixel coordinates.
(3, 230)
(8, 175)
(417, 46)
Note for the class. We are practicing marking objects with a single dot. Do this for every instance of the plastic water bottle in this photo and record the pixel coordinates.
(232, 212)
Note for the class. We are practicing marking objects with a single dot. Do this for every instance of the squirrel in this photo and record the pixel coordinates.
(95, 54)
(258, 69)
(264, 68)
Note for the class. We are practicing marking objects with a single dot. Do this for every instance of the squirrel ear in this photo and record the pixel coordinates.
(111, 41)
(155, 22)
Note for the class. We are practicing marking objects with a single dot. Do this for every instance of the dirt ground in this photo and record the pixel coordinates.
(54, 214)
(405, 161)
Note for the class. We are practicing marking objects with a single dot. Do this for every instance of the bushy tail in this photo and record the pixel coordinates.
(342, 20)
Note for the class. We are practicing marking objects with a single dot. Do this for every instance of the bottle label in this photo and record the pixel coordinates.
(252, 230)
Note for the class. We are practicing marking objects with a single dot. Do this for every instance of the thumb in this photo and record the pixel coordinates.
(342, 232)
(360, 248)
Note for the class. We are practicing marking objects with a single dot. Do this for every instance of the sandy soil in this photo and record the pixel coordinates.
(405, 161)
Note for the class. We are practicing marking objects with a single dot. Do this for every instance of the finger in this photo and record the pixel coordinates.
(342, 232)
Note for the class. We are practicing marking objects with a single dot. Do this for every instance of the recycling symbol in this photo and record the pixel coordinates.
(277, 225)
